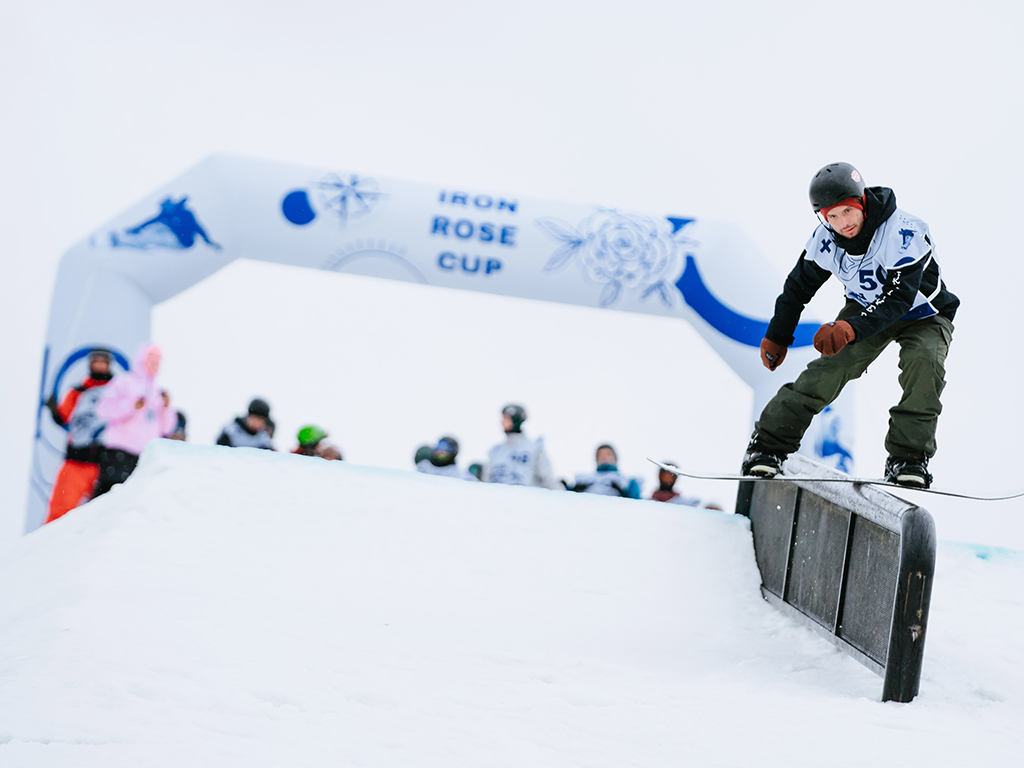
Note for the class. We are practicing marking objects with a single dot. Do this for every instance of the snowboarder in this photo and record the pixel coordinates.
(519, 460)
(136, 410)
(885, 259)
(442, 461)
(76, 479)
(606, 480)
(251, 430)
(309, 437)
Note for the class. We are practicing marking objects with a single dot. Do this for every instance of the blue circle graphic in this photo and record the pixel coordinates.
(296, 208)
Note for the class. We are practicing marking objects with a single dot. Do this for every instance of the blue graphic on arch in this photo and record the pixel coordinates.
(677, 224)
(385, 255)
(297, 209)
(828, 445)
(345, 197)
(729, 322)
(619, 251)
(175, 226)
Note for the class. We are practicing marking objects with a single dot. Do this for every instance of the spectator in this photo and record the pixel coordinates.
(251, 430)
(519, 460)
(666, 489)
(329, 452)
(179, 430)
(442, 460)
(422, 454)
(606, 480)
(309, 437)
(136, 411)
(77, 476)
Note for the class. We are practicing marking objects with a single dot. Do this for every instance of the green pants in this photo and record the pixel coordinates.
(912, 422)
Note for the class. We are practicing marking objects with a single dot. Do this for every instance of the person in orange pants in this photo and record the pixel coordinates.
(77, 476)
(73, 487)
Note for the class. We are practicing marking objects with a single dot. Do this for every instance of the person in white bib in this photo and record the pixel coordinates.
(606, 480)
(885, 259)
(519, 460)
(250, 431)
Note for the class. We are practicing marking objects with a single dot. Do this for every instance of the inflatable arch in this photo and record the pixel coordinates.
(226, 208)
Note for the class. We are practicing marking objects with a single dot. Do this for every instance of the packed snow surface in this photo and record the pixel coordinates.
(230, 607)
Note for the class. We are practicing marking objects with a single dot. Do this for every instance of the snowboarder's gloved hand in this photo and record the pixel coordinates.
(772, 354)
(832, 337)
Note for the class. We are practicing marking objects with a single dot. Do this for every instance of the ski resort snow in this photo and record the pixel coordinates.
(233, 607)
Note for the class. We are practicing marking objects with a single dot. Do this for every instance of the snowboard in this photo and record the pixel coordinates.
(844, 479)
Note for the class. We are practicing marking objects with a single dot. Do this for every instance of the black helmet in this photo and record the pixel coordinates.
(516, 413)
(444, 452)
(99, 353)
(259, 408)
(833, 184)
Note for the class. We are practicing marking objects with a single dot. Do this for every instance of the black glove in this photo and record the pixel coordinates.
(51, 405)
(624, 494)
(578, 488)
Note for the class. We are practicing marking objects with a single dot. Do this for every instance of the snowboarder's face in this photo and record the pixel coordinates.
(606, 456)
(847, 220)
(506, 423)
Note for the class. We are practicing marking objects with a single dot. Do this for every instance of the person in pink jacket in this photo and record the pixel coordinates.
(136, 411)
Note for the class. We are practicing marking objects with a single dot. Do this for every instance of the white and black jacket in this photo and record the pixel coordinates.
(889, 268)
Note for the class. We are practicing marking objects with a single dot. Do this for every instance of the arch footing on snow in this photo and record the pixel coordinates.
(852, 562)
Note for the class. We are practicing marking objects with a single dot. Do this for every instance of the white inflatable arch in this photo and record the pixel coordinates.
(226, 208)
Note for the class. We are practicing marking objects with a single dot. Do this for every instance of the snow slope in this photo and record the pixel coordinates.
(241, 608)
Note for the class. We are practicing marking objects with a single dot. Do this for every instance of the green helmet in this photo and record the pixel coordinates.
(310, 435)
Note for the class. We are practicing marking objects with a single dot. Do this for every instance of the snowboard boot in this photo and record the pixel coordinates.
(911, 471)
(759, 462)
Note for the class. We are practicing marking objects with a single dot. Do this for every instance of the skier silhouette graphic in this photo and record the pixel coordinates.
(174, 227)
(829, 445)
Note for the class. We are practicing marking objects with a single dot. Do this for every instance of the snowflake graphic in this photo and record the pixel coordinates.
(349, 199)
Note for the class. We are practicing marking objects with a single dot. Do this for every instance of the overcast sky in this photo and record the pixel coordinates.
(718, 110)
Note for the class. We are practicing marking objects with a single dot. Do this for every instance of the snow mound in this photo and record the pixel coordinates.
(233, 607)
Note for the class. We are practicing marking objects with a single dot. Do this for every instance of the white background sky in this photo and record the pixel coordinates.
(718, 110)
